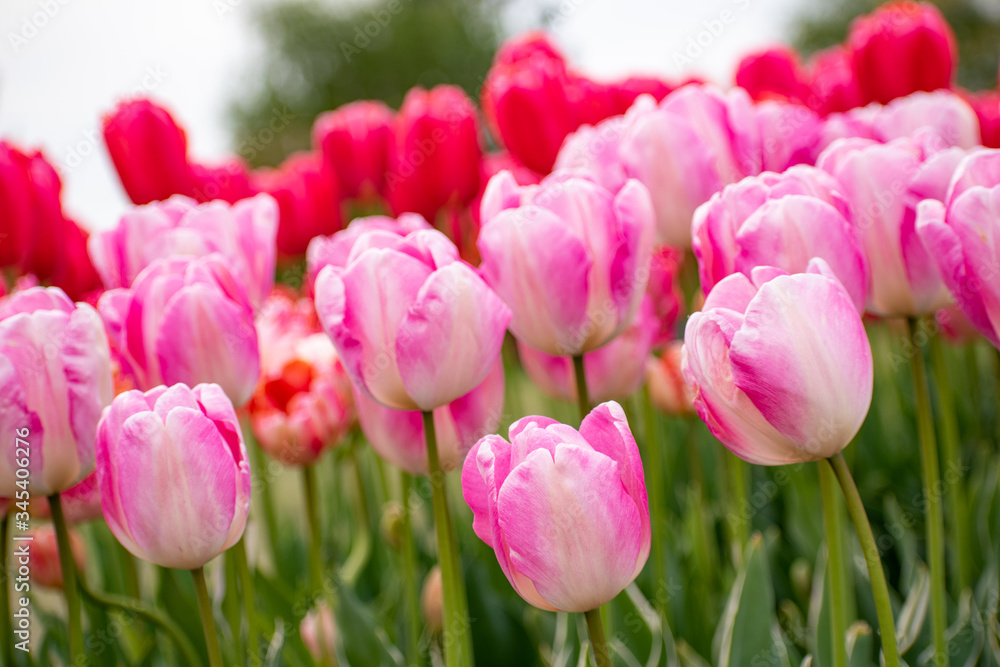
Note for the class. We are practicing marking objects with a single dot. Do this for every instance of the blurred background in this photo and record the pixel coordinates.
(226, 68)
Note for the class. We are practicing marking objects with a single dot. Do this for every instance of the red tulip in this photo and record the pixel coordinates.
(15, 204)
(774, 73)
(309, 203)
(229, 181)
(354, 141)
(832, 83)
(987, 107)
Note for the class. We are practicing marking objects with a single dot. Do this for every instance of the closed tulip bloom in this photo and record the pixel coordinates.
(173, 473)
(15, 204)
(564, 510)
(354, 141)
(963, 239)
(432, 601)
(43, 246)
(987, 108)
(434, 156)
(414, 326)
(229, 181)
(773, 74)
(664, 291)
(570, 258)
(789, 134)
(149, 151)
(75, 274)
(613, 372)
(900, 48)
(244, 233)
(883, 184)
(319, 632)
(945, 113)
(43, 556)
(185, 320)
(780, 365)
(833, 87)
(398, 435)
(668, 391)
(55, 378)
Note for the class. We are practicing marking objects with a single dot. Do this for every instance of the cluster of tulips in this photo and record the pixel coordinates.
(790, 216)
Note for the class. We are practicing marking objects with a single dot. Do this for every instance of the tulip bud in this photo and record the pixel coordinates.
(173, 474)
(354, 141)
(319, 633)
(43, 556)
(55, 377)
(780, 365)
(432, 601)
(564, 510)
(149, 151)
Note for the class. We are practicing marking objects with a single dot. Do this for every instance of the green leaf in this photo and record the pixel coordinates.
(910, 618)
(860, 644)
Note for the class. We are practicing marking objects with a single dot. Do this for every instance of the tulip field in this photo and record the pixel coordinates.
(583, 372)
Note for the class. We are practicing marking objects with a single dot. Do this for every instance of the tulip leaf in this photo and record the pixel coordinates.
(860, 644)
(910, 618)
(965, 638)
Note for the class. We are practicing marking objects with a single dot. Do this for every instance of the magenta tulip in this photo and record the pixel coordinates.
(55, 378)
(243, 233)
(570, 258)
(780, 365)
(173, 473)
(564, 510)
(398, 435)
(184, 320)
(414, 326)
(354, 141)
(833, 87)
(773, 74)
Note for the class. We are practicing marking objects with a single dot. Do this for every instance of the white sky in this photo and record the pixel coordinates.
(61, 70)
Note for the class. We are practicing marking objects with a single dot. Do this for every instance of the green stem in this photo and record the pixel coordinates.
(835, 563)
(596, 630)
(740, 525)
(207, 621)
(68, 566)
(361, 547)
(876, 575)
(231, 602)
(457, 634)
(414, 656)
(130, 571)
(266, 500)
(154, 616)
(239, 550)
(5, 627)
(582, 396)
(316, 553)
(932, 484)
(953, 467)
(654, 471)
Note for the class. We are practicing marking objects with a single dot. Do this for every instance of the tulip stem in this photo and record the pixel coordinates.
(5, 627)
(361, 548)
(930, 466)
(68, 566)
(953, 466)
(596, 630)
(410, 576)
(457, 630)
(316, 554)
(249, 608)
(739, 523)
(207, 620)
(582, 396)
(876, 575)
(654, 471)
(835, 563)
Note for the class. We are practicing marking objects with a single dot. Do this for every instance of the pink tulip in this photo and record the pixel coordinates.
(963, 240)
(173, 472)
(664, 291)
(564, 510)
(718, 224)
(149, 151)
(415, 326)
(789, 134)
(354, 141)
(900, 48)
(667, 389)
(570, 258)
(773, 74)
(302, 404)
(432, 601)
(780, 365)
(319, 632)
(398, 435)
(613, 372)
(55, 378)
(950, 117)
(184, 320)
(883, 184)
(243, 233)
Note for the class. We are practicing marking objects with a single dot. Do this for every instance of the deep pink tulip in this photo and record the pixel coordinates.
(434, 155)
(75, 274)
(613, 372)
(624, 93)
(883, 184)
(184, 320)
(900, 48)
(664, 291)
(354, 141)
(774, 73)
(308, 200)
(149, 151)
(987, 108)
(302, 404)
(398, 435)
(833, 87)
(780, 365)
(570, 258)
(228, 181)
(173, 473)
(16, 206)
(963, 240)
(244, 233)
(564, 510)
(43, 247)
(55, 378)
(415, 326)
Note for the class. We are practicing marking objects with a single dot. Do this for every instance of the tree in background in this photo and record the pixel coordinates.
(976, 25)
(319, 57)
